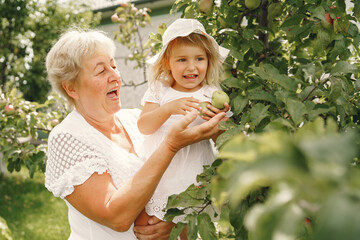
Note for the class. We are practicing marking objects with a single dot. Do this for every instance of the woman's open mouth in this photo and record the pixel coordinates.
(113, 94)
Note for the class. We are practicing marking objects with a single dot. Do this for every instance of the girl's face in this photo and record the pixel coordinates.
(188, 65)
(98, 88)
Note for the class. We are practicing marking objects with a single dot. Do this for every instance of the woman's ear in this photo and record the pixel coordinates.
(70, 89)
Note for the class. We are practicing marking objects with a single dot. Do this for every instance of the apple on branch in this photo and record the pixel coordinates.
(205, 6)
(9, 108)
(252, 4)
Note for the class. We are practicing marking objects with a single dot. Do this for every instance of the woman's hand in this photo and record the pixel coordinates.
(156, 229)
(213, 111)
(180, 135)
(182, 105)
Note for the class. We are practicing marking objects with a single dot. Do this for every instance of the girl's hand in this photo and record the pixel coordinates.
(210, 114)
(156, 229)
(182, 105)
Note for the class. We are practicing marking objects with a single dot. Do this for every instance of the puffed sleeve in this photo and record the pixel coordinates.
(70, 162)
(152, 94)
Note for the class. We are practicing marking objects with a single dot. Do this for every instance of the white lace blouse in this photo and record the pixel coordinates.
(76, 150)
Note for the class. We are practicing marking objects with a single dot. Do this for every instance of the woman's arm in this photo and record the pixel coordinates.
(98, 198)
(153, 116)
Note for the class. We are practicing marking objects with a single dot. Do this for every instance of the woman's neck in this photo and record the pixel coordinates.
(106, 124)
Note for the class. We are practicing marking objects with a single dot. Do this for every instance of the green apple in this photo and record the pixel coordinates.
(205, 6)
(274, 10)
(252, 4)
(219, 98)
(203, 106)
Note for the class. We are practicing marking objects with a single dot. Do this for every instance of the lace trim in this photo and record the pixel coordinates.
(77, 175)
(156, 206)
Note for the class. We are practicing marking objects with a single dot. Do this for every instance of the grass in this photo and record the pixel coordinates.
(30, 210)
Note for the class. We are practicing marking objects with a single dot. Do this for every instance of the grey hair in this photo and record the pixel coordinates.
(64, 61)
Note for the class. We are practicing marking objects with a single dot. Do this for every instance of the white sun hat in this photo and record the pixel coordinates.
(183, 27)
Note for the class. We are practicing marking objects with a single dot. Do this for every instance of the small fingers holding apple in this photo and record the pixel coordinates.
(210, 111)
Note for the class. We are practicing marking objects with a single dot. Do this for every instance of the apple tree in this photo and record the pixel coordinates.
(288, 162)
(28, 111)
(28, 28)
(130, 20)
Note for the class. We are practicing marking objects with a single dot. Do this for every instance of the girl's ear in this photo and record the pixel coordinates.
(167, 65)
(70, 89)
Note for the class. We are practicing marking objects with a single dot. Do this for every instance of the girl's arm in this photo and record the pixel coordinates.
(99, 199)
(153, 115)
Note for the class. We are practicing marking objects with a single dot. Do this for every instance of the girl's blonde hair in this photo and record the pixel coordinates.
(161, 73)
(64, 61)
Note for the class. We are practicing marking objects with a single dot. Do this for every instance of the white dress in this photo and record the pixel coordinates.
(76, 150)
(188, 162)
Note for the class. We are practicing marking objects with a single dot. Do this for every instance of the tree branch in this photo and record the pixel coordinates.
(263, 21)
(315, 87)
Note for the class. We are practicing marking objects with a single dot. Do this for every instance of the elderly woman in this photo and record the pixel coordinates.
(93, 154)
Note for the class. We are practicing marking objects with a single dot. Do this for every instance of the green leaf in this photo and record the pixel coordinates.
(332, 148)
(318, 12)
(357, 84)
(237, 55)
(172, 213)
(206, 227)
(296, 109)
(336, 89)
(356, 9)
(343, 67)
(192, 232)
(258, 112)
(262, 95)
(237, 215)
(279, 123)
(256, 45)
(227, 125)
(192, 196)
(238, 104)
(291, 221)
(233, 83)
(320, 110)
(269, 72)
(293, 20)
(175, 231)
(338, 218)
(224, 137)
(231, 149)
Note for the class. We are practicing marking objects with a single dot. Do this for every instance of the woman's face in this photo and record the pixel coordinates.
(188, 65)
(98, 88)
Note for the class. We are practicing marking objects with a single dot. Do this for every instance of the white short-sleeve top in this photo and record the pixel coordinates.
(76, 150)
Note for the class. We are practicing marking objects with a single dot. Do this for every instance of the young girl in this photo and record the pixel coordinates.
(185, 73)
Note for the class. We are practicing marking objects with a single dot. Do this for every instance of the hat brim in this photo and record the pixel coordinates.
(222, 51)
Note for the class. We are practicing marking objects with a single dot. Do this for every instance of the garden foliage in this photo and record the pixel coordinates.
(287, 166)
